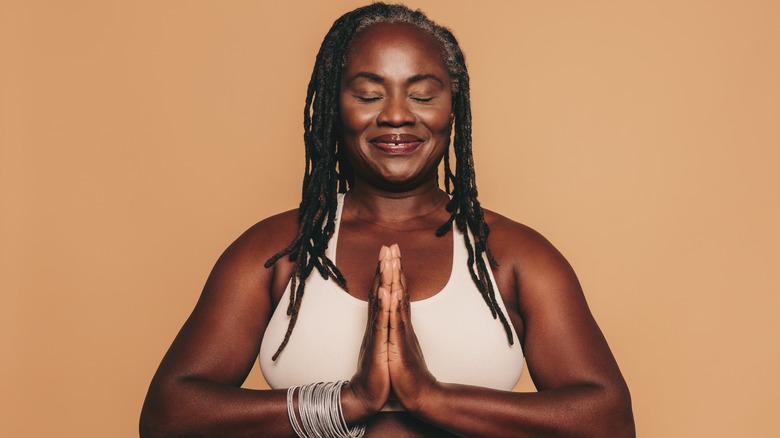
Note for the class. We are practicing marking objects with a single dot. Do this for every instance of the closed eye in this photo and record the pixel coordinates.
(367, 99)
(422, 99)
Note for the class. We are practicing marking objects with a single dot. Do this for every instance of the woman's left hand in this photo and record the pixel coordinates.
(409, 376)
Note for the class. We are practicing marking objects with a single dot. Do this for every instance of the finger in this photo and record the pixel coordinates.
(396, 280)
(375, 282)
(395, 251)
(399, 284)
(402, 276)
(384, 254)
(405, 300)
(397, 320)
(372, 292)
(382, 320)
(386, 272)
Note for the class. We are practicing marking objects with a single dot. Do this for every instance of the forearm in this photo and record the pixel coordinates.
(199, 408)
(585, 410)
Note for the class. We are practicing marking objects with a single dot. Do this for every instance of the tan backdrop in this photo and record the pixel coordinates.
(140, 137)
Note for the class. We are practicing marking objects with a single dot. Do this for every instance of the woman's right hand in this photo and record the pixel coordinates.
(371, 382)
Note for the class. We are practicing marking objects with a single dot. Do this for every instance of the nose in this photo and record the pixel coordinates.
(396, 112)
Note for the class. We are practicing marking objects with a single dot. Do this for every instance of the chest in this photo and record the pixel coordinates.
(427, 262)
(460, 339)
(426, 259)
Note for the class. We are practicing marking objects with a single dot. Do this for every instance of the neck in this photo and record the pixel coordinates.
(379, 205)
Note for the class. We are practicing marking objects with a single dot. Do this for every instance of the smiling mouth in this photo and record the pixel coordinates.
(396, 143)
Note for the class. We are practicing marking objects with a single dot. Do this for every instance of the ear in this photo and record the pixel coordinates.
(452, 117)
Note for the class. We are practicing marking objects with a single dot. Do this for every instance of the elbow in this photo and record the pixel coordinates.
(618, 415)
(152, 424)
(158, 418)
(146, 426)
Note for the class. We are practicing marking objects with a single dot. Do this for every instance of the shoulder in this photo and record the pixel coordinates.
(270, 234)
(514, 239)
(532, 257)
(260, 242)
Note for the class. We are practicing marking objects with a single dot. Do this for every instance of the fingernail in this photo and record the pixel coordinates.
(382, 252)
(394, 250)
(398, 250)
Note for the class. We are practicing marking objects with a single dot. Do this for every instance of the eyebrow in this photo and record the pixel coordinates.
(373, 77)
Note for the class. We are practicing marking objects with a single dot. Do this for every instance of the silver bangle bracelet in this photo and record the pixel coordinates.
(291, 413)
(319, 408)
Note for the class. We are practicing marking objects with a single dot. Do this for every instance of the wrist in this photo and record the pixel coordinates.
(352, 405)
(320, 411)
(429, 397)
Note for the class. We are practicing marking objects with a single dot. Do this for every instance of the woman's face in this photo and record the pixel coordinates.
(396, 106)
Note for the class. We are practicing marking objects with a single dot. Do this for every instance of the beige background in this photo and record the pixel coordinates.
(140, 137)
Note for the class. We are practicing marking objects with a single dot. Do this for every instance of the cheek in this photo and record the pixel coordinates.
(438, 120)
(354, 119)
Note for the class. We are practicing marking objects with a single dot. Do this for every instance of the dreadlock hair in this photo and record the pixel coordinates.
(328, 173)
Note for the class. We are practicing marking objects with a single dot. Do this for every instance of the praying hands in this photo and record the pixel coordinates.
(391, 360)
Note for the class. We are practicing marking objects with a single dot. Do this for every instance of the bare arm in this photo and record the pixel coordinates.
(581, 389)
(197, 388)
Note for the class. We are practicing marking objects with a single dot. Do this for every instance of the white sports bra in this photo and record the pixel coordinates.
(460, 340)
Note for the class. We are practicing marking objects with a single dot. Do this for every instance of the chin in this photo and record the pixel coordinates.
(402, 182)
(401, 176)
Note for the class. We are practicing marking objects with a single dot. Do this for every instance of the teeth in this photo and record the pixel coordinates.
(396, 144)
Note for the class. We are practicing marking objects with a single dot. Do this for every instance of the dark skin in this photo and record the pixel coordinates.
(394, 82)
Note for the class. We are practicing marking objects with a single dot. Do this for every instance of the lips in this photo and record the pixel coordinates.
(396, 143)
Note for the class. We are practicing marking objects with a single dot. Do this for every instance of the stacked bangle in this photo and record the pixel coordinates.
(319, 408)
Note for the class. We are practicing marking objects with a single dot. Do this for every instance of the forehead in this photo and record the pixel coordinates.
(394, 43)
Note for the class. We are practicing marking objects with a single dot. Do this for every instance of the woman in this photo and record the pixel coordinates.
(432, 342)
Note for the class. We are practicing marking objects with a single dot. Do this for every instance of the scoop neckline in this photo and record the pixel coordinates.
(354, 300)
